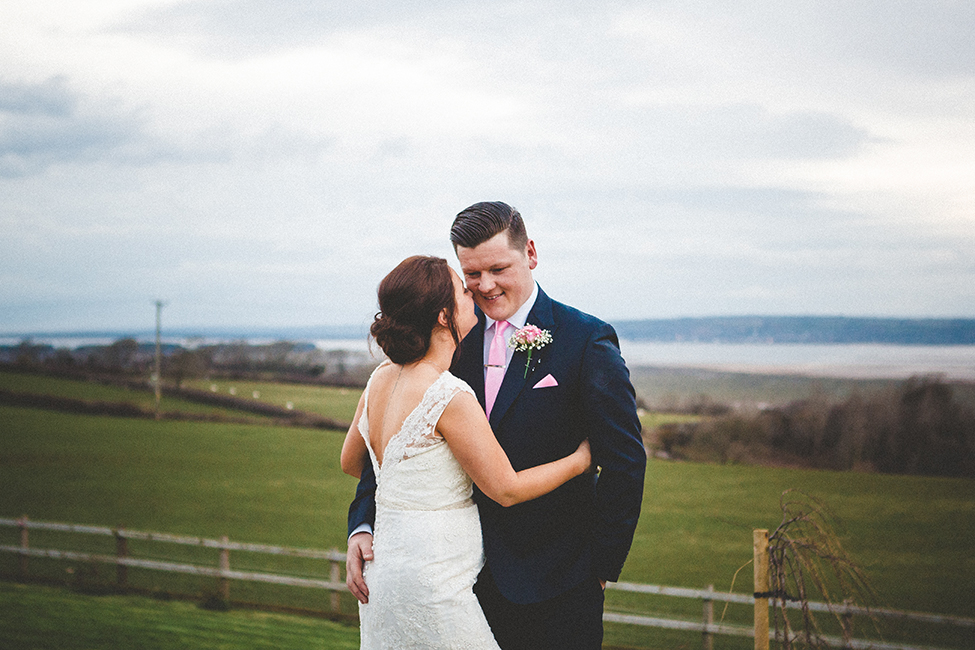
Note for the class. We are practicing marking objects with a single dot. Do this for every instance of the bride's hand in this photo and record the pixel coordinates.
(584, 455)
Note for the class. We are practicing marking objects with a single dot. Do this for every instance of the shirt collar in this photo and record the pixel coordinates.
(520, 317)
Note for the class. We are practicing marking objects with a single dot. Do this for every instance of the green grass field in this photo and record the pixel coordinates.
(667, 388)
(336, 403)
(96, 392)
(256, 483)
(662, 387)
(61, 620)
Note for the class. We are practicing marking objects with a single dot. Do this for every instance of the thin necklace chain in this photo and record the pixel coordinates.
(396, 383)
(431, 363)
(389, 399)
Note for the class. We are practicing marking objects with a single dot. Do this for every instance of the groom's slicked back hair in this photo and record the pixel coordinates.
(482, 221)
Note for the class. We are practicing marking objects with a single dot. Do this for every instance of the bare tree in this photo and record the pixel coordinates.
(807, 563)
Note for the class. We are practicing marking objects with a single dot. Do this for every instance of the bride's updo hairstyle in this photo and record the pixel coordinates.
(411, 298)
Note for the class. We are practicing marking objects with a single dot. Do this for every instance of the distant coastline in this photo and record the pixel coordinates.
(807, 330)
(811, 346)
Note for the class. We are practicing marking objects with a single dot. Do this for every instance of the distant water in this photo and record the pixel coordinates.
(74, 342)
(852, 360)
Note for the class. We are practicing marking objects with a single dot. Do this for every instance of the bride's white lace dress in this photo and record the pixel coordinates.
(427, 540)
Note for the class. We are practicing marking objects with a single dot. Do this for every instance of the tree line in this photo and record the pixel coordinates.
(915, 427)
(286, 360)
(918, 426)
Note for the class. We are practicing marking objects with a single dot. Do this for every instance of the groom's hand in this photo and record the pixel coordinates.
(360, 552)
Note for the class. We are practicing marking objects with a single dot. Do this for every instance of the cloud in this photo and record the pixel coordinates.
(48, 123)
(49, 98)
(254, 159)
(41, 124)
(253, 27)
(745, 131)
(916, 37)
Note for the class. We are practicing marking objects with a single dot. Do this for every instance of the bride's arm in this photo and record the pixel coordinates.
(467, 432)
(354, 452)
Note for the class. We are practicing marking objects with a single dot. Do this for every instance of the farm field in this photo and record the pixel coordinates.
(88, 391)
(667, 388)
(276, 485)
(62, 620)
(336, 403)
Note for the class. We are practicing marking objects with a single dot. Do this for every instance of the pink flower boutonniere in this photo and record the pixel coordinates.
(529, 338)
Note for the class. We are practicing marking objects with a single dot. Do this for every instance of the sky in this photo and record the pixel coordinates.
(264, 163)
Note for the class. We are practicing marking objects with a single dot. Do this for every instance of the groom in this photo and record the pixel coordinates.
(547, 560)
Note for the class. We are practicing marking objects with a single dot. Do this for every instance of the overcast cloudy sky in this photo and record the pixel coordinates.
(265, 162)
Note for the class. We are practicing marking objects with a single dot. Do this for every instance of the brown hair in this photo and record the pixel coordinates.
(482, 221)
(411, 298)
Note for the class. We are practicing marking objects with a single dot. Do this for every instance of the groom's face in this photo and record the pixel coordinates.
(499, 276)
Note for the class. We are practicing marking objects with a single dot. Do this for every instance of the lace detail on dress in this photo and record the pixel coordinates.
(416, 453)
(419, 430)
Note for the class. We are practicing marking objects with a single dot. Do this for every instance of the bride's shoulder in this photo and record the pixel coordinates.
(457, 383)
(379, 372)
(386, 365)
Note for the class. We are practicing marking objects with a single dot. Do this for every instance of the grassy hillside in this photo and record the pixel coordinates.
(92, 391)
(265, 484)
(44, 618)
(336, 403)
(255, 483)
(669, 389)
(283, 486)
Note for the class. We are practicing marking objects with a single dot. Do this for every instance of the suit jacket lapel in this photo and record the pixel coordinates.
(514, 378)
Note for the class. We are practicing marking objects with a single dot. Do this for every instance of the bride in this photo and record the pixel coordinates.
(427, 439)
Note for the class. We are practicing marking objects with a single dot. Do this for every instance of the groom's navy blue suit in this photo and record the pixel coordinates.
(581, 531)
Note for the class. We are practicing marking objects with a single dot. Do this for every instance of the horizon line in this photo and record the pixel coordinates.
(338, 330)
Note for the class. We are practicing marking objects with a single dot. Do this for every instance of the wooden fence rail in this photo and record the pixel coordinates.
(224, 574)
(221, 572)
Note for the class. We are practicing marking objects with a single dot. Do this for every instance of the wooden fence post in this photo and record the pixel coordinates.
(225, 566)
(121, 552)
(708, 641)
(760, 557)
(335, 575)
(24, 544)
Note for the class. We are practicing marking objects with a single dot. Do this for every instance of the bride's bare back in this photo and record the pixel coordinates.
(395, 392)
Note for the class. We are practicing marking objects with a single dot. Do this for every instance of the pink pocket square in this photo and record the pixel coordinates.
(547, 382)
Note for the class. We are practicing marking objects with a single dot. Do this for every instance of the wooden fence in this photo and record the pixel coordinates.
(221, 572)
(223, 575)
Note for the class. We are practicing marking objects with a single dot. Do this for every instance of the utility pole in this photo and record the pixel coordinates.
(157, 377)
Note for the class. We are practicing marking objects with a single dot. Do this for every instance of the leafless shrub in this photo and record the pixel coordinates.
(807, 563)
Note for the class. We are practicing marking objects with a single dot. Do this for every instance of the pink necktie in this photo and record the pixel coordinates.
(495, 367)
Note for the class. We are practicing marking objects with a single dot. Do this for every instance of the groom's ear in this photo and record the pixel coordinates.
(531, 254)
